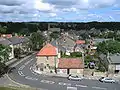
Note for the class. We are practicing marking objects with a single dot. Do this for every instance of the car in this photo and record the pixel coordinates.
(74, 77)
(107, 80)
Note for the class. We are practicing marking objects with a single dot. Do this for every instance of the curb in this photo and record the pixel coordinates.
(15, 81)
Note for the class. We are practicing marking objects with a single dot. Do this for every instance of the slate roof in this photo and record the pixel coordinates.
(48, 50)
(17, 40)
(114, 59)
(70, 63)
(5, 41)
(98, 40)
(54, 43)
(66, 41)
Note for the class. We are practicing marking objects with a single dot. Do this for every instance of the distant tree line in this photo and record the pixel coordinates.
(29, 27)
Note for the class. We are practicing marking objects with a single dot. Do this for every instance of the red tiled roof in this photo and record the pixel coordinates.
(80, 42)
(70, 63)
(48, 50)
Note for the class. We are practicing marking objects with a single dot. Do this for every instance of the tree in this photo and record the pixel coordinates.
(3, 29)
(55, 35)
(4, 53)
(110, 46)
(36, 41)
(17, 52)
(4, 57)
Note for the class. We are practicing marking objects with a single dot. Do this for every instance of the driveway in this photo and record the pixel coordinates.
(24, 75)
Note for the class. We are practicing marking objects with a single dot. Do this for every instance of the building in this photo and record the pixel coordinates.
(47, 58)
(80, 46)
(112, 63)
(70, 66)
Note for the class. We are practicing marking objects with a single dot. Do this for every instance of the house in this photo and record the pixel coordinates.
(19, 42)
(16, 41)
(6, 42)
(80, 45)
(66, 42)
(70, 66)
(112, 62)
(47, 58)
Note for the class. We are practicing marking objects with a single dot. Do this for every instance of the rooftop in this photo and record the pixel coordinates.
(80, 41)
(70, 63)
(115, 59)
(48, 50)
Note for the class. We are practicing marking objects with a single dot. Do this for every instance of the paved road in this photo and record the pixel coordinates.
(24, 75)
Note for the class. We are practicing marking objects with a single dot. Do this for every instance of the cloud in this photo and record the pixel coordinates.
(11, 2)
(57, 10)
(53, 14)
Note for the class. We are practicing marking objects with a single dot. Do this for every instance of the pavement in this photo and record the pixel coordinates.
(23, 74)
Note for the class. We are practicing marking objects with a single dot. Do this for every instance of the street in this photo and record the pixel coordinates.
(23, 74)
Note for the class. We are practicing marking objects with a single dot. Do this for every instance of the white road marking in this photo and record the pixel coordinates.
(71, 88)
(33, 71)
(46, 81)
(31, 78)
(100, 88)
(80, 86)
(21, 68)
(62, 83)
(21, 73)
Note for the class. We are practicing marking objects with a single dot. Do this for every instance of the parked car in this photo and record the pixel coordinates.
(74, 77)
(107, 80)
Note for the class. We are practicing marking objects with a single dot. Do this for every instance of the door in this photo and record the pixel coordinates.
(68, 71)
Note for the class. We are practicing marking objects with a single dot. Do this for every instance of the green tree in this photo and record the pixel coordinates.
(4, 57)
(3, 29)
(36, 41)
(4, 53)
(55, 35)
(110, 46)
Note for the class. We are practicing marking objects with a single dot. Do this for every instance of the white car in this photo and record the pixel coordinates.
(74, 77)
(107, 80)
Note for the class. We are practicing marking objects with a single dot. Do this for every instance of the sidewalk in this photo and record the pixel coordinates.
(64, 75)
(95, 77)
(15, 61)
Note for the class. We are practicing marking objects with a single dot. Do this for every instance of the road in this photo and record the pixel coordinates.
(24, 75)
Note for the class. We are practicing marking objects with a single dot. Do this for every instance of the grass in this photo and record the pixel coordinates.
(6, 88)
(15, 88)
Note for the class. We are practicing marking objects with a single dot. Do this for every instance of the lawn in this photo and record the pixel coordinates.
(15, 88)
(6, 88)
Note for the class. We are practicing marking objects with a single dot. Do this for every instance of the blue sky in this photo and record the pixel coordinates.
(60, 10)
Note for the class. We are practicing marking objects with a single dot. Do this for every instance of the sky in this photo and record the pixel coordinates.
(60, 10)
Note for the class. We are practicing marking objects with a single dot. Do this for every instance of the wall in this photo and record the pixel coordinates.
(47, 60)
(11, 56)
(111, 68)
(76, 71)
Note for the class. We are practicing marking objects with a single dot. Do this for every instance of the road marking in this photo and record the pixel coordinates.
(71, 88)
(62, 83)
(31, 78)
(80, 86)
(21, 73)
(100, 88)
(46, 81)
(21, 68)
(32, 71)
